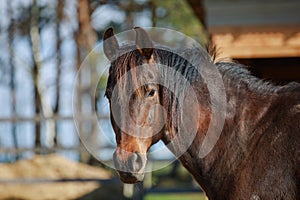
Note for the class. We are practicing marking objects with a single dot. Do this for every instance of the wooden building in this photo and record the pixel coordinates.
(263, 34)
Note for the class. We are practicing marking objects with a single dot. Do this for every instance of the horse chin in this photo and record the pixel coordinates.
(131, 178)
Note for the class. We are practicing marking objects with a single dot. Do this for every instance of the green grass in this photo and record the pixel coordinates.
(162, 179)
(175, 197)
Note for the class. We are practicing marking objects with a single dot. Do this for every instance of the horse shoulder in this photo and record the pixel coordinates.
(272, 168)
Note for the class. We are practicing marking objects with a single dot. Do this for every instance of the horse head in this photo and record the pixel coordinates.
(133, 94)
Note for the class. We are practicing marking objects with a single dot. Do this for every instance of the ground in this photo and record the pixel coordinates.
(55, 167)
(51, 167)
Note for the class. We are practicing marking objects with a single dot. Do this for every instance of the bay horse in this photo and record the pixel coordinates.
(257, 154)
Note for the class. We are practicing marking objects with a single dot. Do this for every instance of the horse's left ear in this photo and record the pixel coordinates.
(110, 44)
(143, 42)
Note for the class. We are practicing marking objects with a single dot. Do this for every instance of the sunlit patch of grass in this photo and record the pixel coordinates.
(192, 196)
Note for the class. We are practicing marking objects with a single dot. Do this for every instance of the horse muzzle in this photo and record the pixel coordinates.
(130, 166)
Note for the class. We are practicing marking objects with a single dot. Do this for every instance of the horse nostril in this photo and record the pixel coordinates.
(135, 162)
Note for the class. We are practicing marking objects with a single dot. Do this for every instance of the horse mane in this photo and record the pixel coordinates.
(238, 75)
(235, 74)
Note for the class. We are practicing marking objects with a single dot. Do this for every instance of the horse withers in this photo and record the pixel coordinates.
(256, 154)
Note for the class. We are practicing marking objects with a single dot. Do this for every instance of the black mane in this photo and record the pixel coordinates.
(234, 73)
(240, 76)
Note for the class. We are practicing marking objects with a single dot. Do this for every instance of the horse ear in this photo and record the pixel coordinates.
(143, 42)
(110, 44)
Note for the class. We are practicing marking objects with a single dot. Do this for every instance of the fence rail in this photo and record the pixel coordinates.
(64, 180)
(47, 149)
(10, 145)
(40, 118)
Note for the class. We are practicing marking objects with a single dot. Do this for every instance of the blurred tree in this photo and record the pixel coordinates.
(35, 46)
(86, 39)
(11, 34)
(173, 14)
(30, 24)
(199, 10)
(59, 18)
(179, 16)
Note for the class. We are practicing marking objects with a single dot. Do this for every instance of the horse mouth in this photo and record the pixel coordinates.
(130, 178)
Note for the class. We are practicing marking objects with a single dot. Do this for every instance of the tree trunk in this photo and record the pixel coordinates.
(39, 90)
(199, 10)
(86, 38)
(59, 18)
(11, 33)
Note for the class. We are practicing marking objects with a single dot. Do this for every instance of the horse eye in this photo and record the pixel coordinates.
(151, 93)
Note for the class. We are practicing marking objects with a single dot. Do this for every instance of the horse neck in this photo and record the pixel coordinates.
(249, 115)
(245, 121)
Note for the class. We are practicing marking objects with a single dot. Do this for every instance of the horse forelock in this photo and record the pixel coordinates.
(125, 74)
